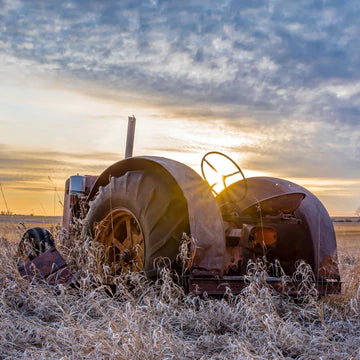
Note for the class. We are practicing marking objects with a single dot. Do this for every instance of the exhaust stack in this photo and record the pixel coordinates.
(130, 137)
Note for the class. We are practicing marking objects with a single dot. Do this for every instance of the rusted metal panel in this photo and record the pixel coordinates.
(205, 218)
(49, 266)
(61, 276)
(314, 227)
(70, 201)
(275, 205)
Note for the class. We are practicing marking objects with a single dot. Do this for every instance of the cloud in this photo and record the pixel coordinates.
(22, 168)
(286, 71)
(251, 54)
(35, 189)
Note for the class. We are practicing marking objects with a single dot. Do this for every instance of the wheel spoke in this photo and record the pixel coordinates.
(224, 180)
(124, 240)
(129, 231)
(118, 244)
(212, 187)
(224, 177)
(140, 238)
(232, 174)
(211, 166)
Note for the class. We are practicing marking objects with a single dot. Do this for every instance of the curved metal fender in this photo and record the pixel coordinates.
(205, 219)
(313, 213)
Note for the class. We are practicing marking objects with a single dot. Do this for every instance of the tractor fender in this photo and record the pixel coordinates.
(316, 222)
(205, 219)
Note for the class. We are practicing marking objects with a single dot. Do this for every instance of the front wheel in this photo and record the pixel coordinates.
(138, 217)
(34, 242)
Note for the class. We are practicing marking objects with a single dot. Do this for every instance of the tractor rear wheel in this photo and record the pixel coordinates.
(138, 217)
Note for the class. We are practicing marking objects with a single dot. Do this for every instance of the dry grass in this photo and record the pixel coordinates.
(13, 226)
(143, 320)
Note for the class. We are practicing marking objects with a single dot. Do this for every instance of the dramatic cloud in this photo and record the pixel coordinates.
(266, 56)
(277, 82)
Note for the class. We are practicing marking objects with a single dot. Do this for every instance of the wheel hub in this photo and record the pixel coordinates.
(122, 236)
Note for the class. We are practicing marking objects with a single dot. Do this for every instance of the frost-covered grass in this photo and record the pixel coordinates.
(143, 320)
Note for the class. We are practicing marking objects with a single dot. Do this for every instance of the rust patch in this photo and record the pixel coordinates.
(49, 266)
(264, 236)
(328, 268)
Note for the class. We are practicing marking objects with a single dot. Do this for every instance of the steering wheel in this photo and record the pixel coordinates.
(223, 176)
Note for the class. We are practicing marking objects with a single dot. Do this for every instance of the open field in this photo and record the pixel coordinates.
(13, 226)
(158, 321)
(348, 237)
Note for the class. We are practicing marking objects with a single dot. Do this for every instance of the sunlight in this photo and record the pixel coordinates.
(220, 171)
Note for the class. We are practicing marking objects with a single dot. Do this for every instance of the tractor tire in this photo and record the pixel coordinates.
(138, 217)
(34, 242)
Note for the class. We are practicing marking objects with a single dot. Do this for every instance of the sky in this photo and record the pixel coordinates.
(273, 84)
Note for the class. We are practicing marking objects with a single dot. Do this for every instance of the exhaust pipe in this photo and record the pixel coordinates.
(130, 137)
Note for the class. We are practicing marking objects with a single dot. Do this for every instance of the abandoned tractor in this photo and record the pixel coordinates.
(140, 207)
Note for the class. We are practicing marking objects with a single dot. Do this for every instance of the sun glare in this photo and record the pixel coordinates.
(220, 171)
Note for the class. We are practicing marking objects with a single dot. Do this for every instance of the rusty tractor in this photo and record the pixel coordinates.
(140, 207)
